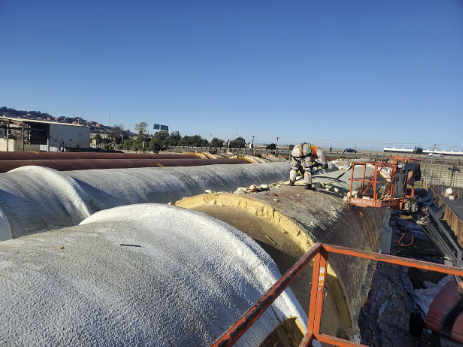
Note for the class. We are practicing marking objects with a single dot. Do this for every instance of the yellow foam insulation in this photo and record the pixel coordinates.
(207, 155)
(199, 155)
(292, 230)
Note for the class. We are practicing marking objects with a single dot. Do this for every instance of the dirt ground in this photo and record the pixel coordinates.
(384, 319)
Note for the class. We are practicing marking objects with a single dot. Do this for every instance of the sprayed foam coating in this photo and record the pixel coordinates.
(35, 199)
(100, 164)
(139, 275)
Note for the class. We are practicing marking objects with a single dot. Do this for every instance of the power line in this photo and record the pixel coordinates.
(329, 140)
(458, 140)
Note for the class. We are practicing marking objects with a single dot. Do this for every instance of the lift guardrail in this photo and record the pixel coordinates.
(319, 253)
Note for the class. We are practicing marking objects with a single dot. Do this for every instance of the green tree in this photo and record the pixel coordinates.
(271, 146)
(98, 138)
(185, 141)
(173, 139)
(116, 132)
(239, 142)
(161, 138)
(141, 127)
(154, 146)
(217, 142)
(195, 141)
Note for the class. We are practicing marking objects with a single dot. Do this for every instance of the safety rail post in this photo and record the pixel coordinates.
(378, 169)
(316, 298)
(320, 281)
(351, 180)
(308, 337)
(364, 174)
(392, 185)
(375, 180)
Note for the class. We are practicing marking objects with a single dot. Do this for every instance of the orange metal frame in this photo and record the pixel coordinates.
(318, 253)
(373, 183)
(387, 198)
(401, 160)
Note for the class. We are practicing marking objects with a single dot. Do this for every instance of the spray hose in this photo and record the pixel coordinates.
(337, 178)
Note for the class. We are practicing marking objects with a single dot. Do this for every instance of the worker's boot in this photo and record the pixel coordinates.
(291, 183)
(309, 187)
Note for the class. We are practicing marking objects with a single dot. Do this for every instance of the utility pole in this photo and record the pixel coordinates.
(453, 169)
(432, 162)
(276, 144)
(109, 124)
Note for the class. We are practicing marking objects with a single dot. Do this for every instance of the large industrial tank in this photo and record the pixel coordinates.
(286, 222)
(139, 275)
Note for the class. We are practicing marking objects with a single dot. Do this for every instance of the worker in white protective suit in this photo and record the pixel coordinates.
(304, 155)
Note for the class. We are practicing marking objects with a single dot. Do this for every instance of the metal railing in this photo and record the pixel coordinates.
(319, 253)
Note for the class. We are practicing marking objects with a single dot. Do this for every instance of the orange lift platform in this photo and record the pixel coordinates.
(391, 184)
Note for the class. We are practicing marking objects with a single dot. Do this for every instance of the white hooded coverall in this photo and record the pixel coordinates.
(301, 155)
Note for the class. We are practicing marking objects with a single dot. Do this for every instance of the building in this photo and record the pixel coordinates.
(18, 134)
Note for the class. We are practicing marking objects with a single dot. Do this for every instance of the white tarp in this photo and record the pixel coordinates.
(425, 296)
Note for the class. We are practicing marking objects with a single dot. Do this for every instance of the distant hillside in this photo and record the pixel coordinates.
(37, 115)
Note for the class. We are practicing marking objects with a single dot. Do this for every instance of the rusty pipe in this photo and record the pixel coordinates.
(89, 155)
(81, 164)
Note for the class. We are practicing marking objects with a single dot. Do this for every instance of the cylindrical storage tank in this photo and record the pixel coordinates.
(98, 164)
(35, 199)
(286, 222)
(140, 275)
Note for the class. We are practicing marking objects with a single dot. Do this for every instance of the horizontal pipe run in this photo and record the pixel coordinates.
(89, 155)
(91, 164)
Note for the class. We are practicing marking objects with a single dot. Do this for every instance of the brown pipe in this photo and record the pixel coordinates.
(89, 155)
(81, 164)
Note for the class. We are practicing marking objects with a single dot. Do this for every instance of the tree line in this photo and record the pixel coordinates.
(160, 140)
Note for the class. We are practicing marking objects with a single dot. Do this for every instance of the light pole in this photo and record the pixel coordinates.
(122, 136)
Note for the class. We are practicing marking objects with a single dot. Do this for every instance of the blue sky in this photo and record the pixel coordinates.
(335, 73)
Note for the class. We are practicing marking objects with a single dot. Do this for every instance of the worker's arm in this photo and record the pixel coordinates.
(321, 158)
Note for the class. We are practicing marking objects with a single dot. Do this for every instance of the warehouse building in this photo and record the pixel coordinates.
(32, 135)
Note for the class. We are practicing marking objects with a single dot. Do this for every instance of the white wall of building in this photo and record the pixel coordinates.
(69, 136)
(16, 146)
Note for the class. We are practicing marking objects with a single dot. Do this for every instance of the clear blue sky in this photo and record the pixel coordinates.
(356, 73)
